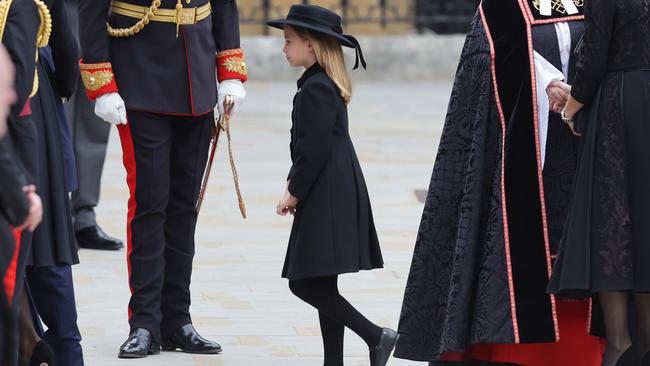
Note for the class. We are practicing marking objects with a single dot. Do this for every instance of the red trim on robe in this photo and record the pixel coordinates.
(504, 206)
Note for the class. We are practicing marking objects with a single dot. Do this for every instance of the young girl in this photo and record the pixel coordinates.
(333, 230)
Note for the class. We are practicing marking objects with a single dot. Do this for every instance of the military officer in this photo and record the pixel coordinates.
(157, 69)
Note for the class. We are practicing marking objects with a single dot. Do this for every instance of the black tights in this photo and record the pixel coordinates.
(335, 313)
(615, 309)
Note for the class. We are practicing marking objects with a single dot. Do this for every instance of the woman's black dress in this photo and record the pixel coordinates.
(606, 242)
(333, 229)
(54, 242)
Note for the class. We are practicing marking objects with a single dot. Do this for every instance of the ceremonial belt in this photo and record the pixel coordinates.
(183, 16)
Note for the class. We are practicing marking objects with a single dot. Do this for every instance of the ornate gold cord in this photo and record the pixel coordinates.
(224, 124)
(138, 26)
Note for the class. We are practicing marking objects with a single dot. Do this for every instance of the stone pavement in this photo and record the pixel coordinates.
(238, 296)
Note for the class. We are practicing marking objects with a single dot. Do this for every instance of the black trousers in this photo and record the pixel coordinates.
(52, 290)
(164, 157)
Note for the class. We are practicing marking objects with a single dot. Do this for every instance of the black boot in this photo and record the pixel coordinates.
(380, 353)
(139, 344)
(187, 340)
(93, 237)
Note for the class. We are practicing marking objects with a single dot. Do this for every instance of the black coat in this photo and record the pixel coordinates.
(605, 245)
(13, 211)
(17, 168)
(54, 243)
(13, 202)
(333, 230)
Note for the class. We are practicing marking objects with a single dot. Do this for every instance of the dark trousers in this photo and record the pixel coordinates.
(52, 290)
(164, 157)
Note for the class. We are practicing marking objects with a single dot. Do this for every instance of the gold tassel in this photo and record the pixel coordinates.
(179, 8)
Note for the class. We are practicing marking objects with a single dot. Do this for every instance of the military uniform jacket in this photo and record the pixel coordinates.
(333, 230)
(19, 37)
(155, 70)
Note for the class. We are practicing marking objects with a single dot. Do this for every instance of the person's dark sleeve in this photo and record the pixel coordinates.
(65, 51)
(316, 116)
(13, 201)
(225, 27)
(592, 61)
(20, 40)
(96, 69)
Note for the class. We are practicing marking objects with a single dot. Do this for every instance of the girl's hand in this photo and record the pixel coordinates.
(287, 204)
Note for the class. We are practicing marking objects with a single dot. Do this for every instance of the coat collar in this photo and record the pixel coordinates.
(313, 70)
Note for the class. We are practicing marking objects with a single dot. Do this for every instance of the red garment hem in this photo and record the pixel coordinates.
(575, 347)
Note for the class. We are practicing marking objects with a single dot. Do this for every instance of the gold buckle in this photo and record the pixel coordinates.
(186, 16)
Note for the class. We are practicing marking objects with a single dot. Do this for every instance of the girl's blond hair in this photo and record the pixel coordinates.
(329, 55)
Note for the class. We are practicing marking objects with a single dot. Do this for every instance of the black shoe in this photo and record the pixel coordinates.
(187, 340)
(380, 353)
(628, 358)
(139, 344)
(93, 237)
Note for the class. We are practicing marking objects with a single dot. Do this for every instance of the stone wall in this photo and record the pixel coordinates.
(404, 58)
(399, 11)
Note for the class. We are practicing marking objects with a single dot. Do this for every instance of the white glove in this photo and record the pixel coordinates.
(110, 107)
(234, 88)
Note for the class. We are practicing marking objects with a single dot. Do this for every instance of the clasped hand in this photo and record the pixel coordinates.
(288, 203)
(558, 94)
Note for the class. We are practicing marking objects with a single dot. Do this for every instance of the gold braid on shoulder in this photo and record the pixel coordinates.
(137, 27)
(42, 37)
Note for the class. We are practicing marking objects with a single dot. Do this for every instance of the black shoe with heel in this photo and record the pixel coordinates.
(380, 353)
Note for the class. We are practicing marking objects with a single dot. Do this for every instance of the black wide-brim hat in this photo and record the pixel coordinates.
(321, 20)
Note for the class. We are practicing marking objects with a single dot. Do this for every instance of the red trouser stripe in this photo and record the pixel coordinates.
(9, 281)
(128, 158)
